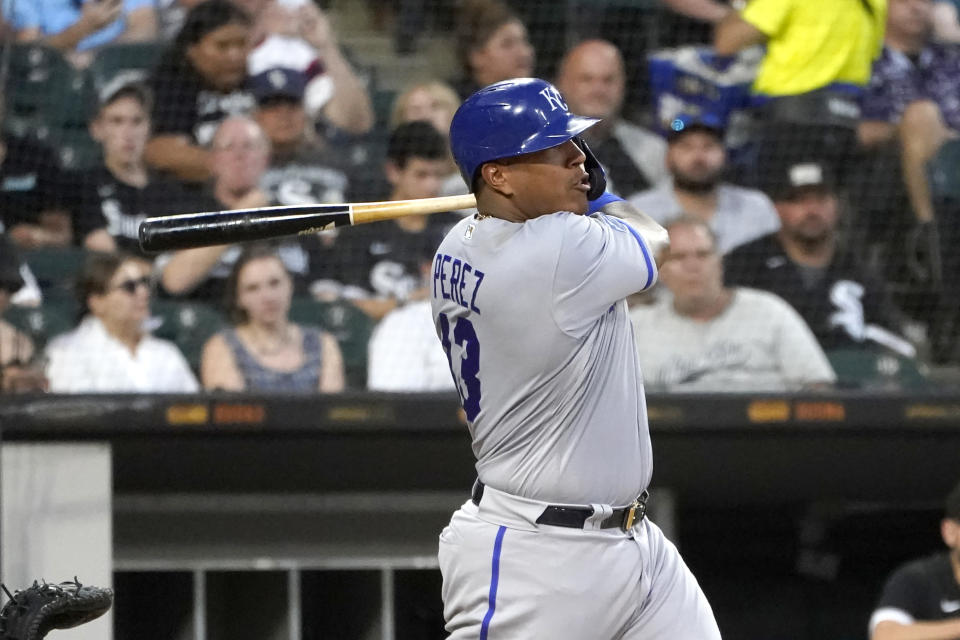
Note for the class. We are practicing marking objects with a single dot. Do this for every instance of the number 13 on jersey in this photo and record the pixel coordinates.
(467, 382)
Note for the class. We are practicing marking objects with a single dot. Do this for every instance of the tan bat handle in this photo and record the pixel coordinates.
(373, 211)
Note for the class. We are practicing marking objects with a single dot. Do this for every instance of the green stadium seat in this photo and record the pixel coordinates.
(56, 270)
(350, 326)
(42, 323)
(50, 100)
(866, 369)
(187, 324)
(40, 72)
(48, 91)
(76, 149)
(136, 59)
(944, 171)
(382, 106)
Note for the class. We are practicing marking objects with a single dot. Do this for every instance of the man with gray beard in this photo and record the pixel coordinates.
(695, 161)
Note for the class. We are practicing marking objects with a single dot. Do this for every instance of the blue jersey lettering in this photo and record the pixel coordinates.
(436, 271)
(443, 277)
(456, 269)
(476, 288)
(461, 287)
(463, 283)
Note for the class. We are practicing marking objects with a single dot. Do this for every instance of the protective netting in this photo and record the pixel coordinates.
(817, 143)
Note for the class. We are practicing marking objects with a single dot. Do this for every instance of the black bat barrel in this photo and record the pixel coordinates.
(227, 227)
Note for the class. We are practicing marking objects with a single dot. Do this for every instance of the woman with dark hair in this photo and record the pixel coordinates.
(264, 350)
(198, 82)
(492, 45)
(110, 351)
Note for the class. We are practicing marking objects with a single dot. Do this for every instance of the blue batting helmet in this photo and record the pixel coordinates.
(508, 119)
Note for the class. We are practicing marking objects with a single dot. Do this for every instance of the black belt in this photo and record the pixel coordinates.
(576, 517)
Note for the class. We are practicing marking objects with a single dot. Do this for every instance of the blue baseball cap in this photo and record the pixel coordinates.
(279, 82)
(686, 122)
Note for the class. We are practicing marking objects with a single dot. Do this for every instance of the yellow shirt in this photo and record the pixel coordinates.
(813, 43)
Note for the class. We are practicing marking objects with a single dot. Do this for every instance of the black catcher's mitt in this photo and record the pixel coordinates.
(33, 612)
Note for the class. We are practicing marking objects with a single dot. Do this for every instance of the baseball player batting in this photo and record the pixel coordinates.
(528, 302)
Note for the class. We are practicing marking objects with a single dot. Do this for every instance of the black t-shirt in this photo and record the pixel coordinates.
(30, 181)
(382, 259)
(926, 589)
(104, 202)
(844, 308)
(307, 177)
(184, 104)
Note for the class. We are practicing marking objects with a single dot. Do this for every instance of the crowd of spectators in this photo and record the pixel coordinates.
(255, 103)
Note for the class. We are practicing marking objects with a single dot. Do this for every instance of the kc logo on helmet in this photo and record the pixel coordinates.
(554, 98)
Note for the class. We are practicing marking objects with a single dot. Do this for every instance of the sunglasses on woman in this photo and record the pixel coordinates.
(130, 286)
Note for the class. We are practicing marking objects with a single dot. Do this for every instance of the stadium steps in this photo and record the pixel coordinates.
(374, 49)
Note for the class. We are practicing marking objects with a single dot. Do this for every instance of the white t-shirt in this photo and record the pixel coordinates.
(742, 214)
(90, 360)
(404, 353)
(758, 343)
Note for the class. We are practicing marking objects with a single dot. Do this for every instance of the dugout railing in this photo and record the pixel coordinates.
(281, 514)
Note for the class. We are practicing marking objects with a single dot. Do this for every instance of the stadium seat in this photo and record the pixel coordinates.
(187, 324)
(350, 326)
(56, 270)
(944, 171)
(866, 369)
(42, 323)
(50, 100)
(76, 149)
(382, 106)
(136, 59)
(48, 91)
(41, 74)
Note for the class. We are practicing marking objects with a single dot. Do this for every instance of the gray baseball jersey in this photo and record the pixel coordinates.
(533, 320)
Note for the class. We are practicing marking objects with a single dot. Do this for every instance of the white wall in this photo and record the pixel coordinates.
(57, 519)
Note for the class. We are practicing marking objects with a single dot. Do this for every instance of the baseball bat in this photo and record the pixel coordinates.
(210, 228)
